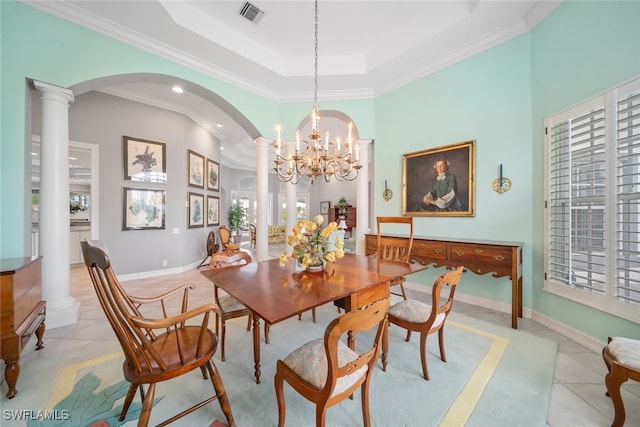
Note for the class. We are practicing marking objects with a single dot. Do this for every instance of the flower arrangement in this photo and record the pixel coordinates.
(311, 244)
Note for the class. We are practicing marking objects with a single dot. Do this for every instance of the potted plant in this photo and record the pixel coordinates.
(342, 204)
(237, 217)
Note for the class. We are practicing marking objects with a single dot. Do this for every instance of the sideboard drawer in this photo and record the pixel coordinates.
(487, 255)
(432, 250)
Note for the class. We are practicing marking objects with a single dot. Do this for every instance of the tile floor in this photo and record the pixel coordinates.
(577, 397)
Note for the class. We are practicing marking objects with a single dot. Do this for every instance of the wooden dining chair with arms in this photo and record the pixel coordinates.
(225, 239)
(622, 358)
(155, 349)
(230, 308)
(426, 319)
(395, 249)
(326, 371)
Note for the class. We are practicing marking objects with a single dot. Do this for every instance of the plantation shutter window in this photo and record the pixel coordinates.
(592, 206)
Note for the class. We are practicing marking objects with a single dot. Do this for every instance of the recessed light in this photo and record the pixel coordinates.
(177, 89)
(219, 125)
(221, 148)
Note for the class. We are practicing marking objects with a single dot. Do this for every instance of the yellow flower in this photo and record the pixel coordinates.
(333, 226)
(284, 259)
(330, 256)
(319, 219)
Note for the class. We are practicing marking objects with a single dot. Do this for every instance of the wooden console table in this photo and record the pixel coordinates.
(503, 259)
(22, 312)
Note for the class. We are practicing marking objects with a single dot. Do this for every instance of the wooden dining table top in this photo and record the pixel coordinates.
(276, 292)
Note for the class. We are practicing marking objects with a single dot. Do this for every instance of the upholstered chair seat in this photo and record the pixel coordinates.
(310, 362)
(622, 357)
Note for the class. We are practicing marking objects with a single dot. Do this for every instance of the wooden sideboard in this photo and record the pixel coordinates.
(503, 259)
(22, 312)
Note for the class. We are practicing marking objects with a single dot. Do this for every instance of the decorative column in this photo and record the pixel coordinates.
(292, 213)
(362, 189)
(62, 308)
(262, 194)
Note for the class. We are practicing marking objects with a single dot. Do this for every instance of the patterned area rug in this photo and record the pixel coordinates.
(494, 376)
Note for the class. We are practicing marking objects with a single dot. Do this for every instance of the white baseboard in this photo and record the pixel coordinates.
(579, 337)
(156, 273)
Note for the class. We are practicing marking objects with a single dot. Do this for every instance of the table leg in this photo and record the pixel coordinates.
(39, 335)
(256, 346)
(11, 373)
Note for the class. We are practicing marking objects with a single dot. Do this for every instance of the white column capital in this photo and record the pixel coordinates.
(54, 93)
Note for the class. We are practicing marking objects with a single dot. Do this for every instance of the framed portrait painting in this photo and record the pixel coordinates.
(439, 181)
(143, 209)
(195, 169)
(144, 160)
(213, 211)
(324, 207)
(213, 175)
(196, 210)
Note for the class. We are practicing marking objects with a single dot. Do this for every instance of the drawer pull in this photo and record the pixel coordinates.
(499, 258)
(437, 251)
(459, 253)
(479, 251)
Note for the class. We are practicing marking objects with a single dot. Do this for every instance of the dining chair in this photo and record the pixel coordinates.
(156, 348)
(230, 308)
(414, 315)
(252, 236)
(225, 239)
(326, 371)
(395, 249)
(622, 357)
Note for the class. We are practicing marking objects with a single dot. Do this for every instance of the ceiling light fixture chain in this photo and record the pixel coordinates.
(319, 159)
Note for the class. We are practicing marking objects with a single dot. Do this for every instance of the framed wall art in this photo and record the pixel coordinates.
(144, 161)
(196, 210)
(213, 211)
(195, 169)
(324, 207)
(213, 175)
(439, 181)
(143, 209)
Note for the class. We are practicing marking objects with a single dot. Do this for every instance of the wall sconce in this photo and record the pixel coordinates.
(386, 194)
(501, 184)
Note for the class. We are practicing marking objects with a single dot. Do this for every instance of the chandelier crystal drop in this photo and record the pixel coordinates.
(319, 158)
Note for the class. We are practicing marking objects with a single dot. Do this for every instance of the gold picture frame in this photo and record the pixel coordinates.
(439, 181)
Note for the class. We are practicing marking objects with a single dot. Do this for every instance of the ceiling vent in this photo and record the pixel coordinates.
(251, 12)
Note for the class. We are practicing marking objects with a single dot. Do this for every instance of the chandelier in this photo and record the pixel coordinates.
(320, 158)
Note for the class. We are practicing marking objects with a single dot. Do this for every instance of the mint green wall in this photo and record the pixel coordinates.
(486, 98)
(581, 50)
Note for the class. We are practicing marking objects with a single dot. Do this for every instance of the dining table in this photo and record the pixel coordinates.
(275, 292)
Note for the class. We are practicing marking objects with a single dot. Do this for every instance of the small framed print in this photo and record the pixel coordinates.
(439, 181)
(195, 169)
(144, 161)
(143, 209)
(213, 211)
(196, 210)
(213, 175)
(324, 207)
